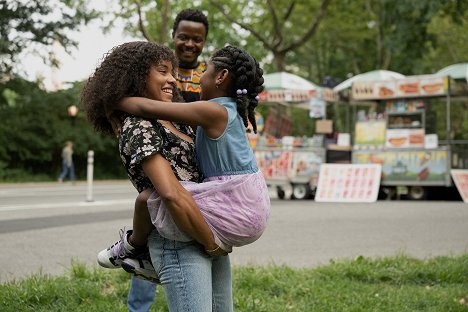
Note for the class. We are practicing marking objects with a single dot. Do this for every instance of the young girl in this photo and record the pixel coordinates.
(233, 198)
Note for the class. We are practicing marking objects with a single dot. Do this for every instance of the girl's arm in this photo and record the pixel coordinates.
(179, 201)
(209, 115)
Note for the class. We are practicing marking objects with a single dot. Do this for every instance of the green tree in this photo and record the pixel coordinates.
(450, 46)
(148, 19)
(402, 30)
(362, 35)
(280, 27)
(34, 127)
(35, 25)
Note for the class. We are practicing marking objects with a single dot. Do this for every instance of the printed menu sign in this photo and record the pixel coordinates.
(348, 183)
(460, 177)
(414, 86)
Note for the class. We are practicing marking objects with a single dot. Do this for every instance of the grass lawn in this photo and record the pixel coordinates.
(397, 284)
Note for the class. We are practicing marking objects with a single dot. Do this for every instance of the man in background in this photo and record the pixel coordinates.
(67, 163)
(189, 33)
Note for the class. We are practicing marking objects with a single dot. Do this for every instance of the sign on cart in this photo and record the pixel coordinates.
(348, 183)
(460, 177)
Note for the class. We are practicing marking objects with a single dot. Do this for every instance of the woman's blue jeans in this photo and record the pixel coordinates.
(192, 280)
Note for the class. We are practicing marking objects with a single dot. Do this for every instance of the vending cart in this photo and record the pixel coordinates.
(392, 129)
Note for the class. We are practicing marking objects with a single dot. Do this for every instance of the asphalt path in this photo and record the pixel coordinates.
(46, 226)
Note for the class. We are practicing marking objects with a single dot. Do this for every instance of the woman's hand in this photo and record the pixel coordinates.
(178, 200)
(217, 252)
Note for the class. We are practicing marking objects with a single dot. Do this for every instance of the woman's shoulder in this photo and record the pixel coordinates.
(133, 125)
(131, 122)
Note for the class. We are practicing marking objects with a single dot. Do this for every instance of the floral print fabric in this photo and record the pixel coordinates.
(141, 138)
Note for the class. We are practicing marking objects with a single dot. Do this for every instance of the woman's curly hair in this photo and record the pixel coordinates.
(123, 72)
(245, 73)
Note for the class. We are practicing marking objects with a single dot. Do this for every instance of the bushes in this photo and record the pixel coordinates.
(34, 128)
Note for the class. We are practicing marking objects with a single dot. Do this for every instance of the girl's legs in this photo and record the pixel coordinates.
(187, 274)
(132, 244)
(142, 226)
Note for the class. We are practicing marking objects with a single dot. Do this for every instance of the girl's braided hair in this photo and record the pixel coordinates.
(123, 72)
(245, 73)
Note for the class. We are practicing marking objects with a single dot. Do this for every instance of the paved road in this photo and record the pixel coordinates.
(44, 226)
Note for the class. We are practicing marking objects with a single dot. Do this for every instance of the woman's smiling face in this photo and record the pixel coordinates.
(161, 84)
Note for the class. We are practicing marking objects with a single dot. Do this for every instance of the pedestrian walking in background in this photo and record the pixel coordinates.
(67, 162)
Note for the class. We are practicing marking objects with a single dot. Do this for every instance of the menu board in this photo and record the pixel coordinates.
(348, 183)
(460, 177)
(412, 86)
(370, 133)
(404, 138)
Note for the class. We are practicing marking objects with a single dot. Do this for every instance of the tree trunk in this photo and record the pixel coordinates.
(279, 60)
(164, 27)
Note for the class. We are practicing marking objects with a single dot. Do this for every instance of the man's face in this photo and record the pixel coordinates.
(189, 39)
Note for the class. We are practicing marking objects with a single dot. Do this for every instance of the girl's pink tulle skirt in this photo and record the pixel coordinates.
(235, 207)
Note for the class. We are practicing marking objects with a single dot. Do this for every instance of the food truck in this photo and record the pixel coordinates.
(397, 127)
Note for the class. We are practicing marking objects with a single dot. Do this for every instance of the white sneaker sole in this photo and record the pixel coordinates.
(105, 261)
(137, 268)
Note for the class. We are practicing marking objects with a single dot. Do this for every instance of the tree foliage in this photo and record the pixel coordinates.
(37, 25)
(362, 35)
(279, 26)
(34, 128)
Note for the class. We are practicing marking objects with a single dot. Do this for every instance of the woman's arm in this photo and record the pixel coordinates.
(180, 202)
(209, 115)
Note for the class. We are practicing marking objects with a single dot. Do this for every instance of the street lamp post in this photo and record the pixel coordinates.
(72, 112)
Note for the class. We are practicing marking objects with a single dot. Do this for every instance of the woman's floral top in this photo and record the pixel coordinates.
(141, 138)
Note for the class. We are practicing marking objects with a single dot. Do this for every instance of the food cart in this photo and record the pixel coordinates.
(289, 164)
(392, 129)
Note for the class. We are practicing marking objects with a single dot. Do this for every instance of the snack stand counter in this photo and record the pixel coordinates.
(394, 133)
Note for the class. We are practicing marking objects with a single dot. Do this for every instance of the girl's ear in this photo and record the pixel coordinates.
(222, 76)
